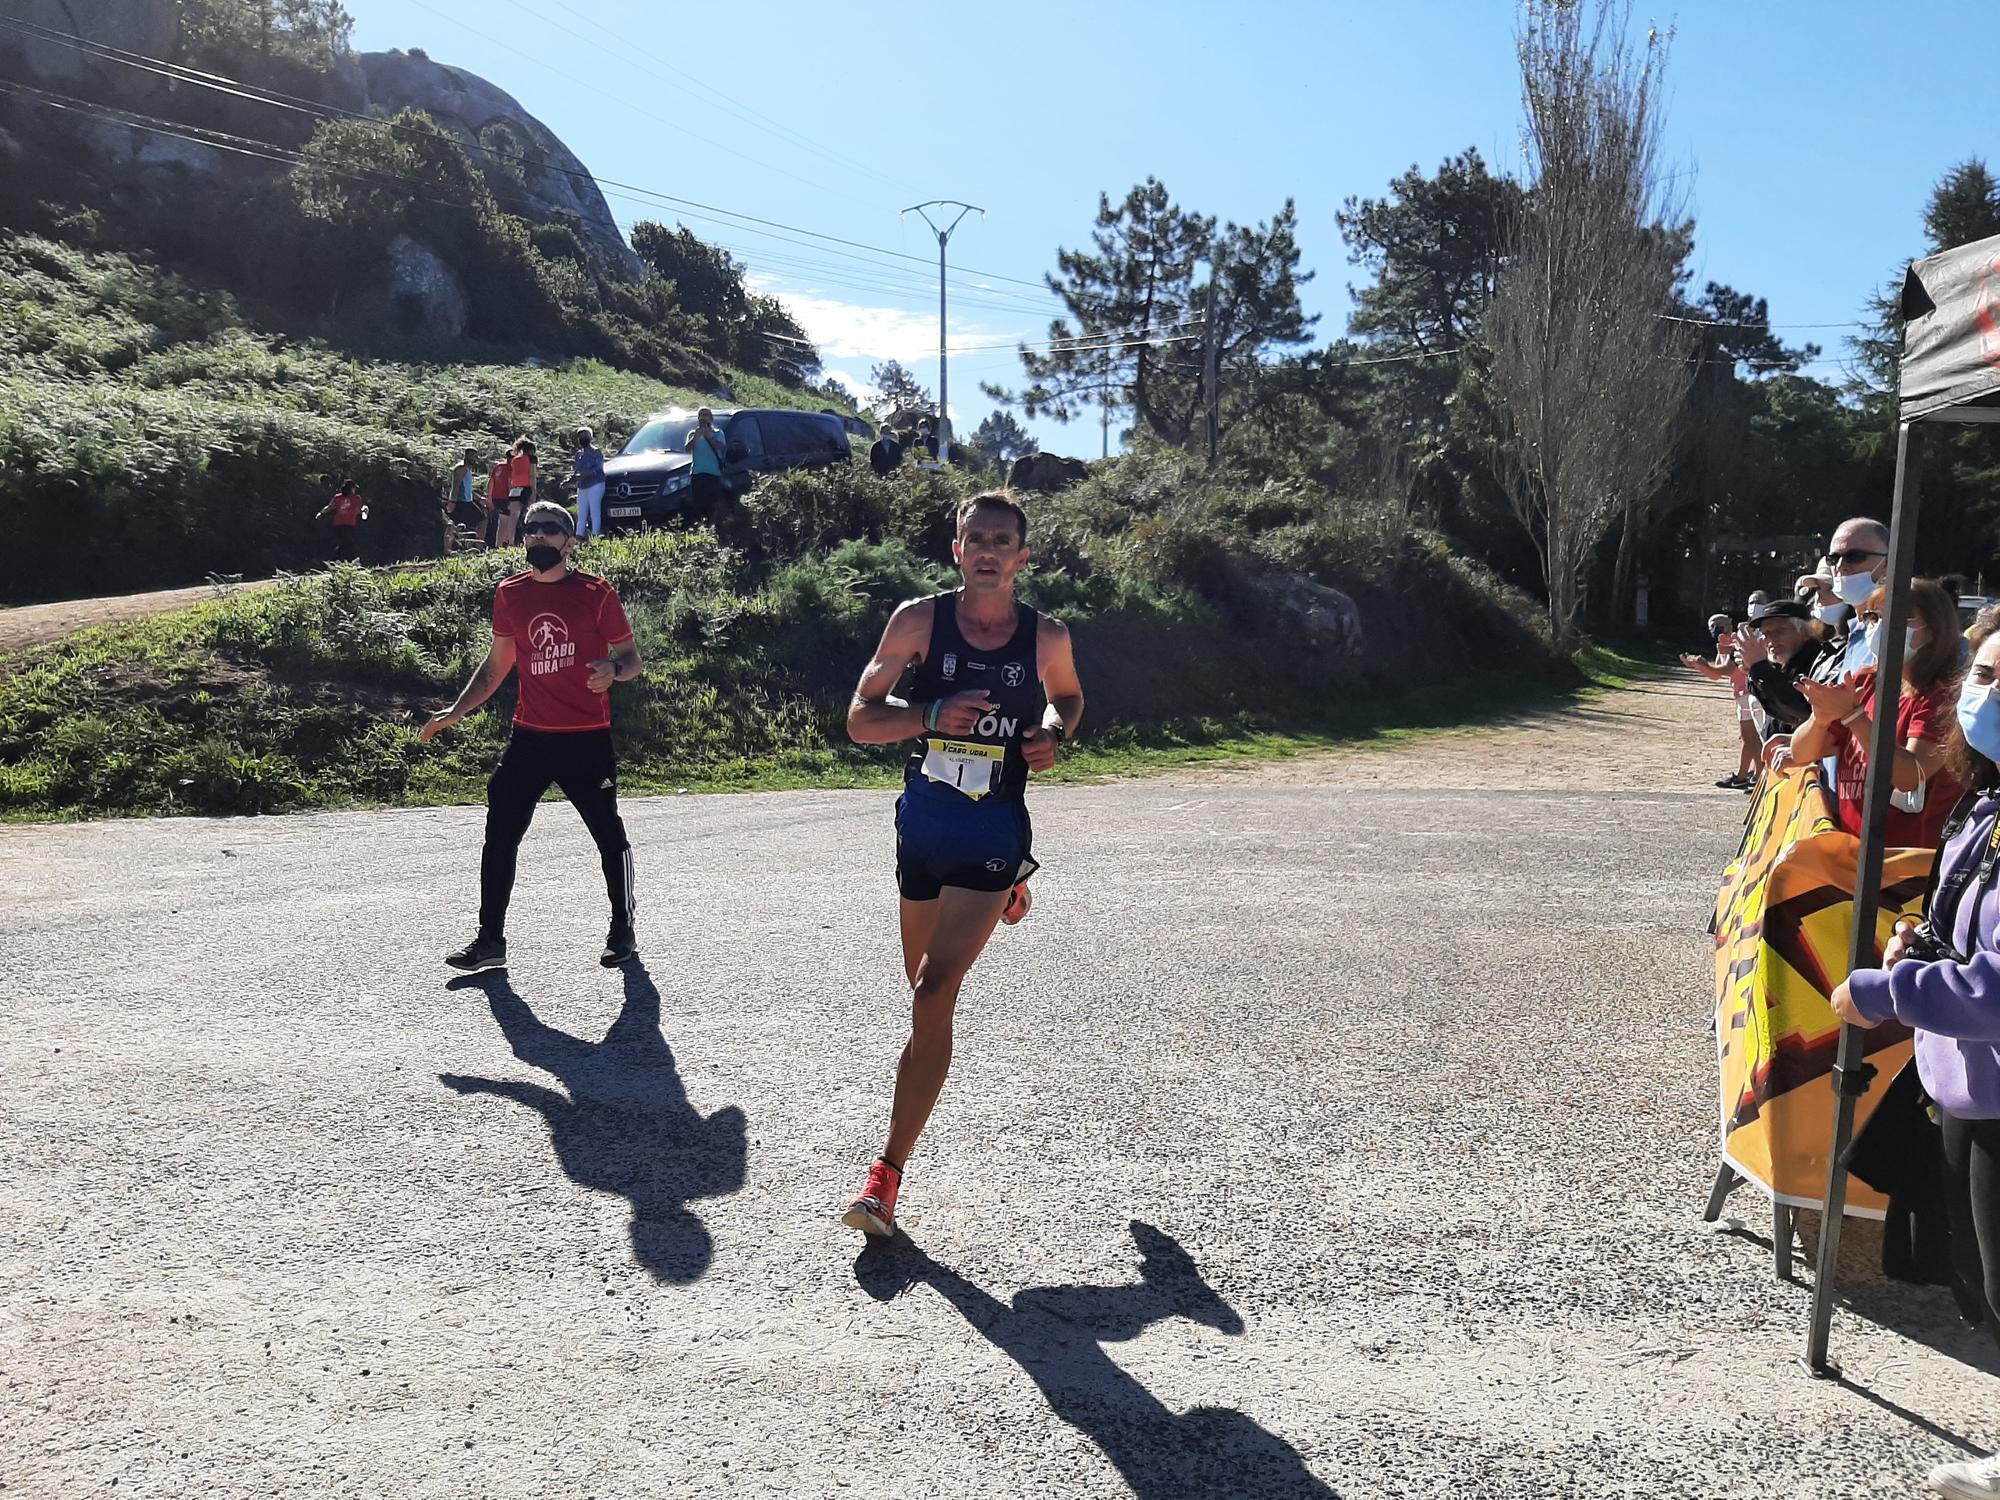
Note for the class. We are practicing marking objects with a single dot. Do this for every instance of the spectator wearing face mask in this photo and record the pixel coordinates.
(1841, 721)
(1779, 647)
(1856, 561)
(1725, 668)
(1941, 977)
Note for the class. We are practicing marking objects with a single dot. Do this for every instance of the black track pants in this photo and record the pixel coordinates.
(1972, 1198)
(583, 766)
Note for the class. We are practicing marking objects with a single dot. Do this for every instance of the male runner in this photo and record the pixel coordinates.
(568, 632)
(994, 692)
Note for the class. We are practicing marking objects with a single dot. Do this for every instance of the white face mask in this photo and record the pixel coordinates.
(1854, 588)
(1829, 614)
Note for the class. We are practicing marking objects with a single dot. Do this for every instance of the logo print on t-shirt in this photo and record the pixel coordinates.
(549, 636)
(1012, 674)
(950, 664)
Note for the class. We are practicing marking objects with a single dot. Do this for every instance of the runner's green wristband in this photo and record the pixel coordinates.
(930, 717)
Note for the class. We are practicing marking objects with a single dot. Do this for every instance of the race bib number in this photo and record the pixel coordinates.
(973, 768)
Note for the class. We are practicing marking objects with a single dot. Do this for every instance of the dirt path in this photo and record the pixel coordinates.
(36, 624)
(1675, 734)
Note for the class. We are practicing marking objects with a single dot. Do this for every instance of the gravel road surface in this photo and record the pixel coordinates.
(1339, 1134)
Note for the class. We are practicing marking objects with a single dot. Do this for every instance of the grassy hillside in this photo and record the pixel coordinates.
(157, 436)
(309, 694)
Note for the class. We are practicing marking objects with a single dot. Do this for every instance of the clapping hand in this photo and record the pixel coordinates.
(1829, 700)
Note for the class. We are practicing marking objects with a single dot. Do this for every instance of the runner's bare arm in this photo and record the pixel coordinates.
(873, 716)
(1065, 694)
(486, 680)
(1059, 679)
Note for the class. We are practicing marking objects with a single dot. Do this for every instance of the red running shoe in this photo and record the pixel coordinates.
(874, 1212)
(1019, 902)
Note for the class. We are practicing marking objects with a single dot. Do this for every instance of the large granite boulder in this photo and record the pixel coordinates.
(530, 169)
(1046, 472)
(523, 160)
(144, 26)
(1322, 619)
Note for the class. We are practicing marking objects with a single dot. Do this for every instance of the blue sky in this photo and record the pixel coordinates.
(1810, 134)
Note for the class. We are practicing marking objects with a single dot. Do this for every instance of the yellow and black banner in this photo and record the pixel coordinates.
(1784, 919)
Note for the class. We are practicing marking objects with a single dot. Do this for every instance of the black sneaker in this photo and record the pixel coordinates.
(620, 947)
(479, 954)
(1734, 783)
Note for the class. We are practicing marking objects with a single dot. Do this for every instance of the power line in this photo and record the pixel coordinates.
(258, 94)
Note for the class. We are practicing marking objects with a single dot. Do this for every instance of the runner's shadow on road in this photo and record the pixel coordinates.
(625, 1126)
(1058, 1334)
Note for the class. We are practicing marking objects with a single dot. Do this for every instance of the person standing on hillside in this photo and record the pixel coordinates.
(705, 443)
(887, 455)
(348, 510)
(461, 507)
(587, 479)
(994, 692)
(518, 491)
(566, 631)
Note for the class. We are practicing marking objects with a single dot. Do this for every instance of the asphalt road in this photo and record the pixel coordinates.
(1306, 1140)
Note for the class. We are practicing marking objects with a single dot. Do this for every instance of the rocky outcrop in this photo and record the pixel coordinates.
(1323, 619)
(1046, 472)
(528, 168)
(425, 294)
(531, 171)
(143, 26)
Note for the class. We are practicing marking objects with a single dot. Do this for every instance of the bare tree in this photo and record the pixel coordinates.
(1587, 372)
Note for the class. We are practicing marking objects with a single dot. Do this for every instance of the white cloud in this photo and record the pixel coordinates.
(864, 394)
(860, 330)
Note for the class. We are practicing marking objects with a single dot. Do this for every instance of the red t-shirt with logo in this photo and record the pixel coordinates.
(499, 479)
(558, 630)
(347, 510)
(1927, 716)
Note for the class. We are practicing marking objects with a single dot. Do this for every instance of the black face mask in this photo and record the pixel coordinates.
(542, 557)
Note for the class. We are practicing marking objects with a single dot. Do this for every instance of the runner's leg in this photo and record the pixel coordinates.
(965, 920)
(1746, 763)
(588, 776)
(919, 922)
(513, 790)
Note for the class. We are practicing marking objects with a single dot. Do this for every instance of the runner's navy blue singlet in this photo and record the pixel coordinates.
(962, 819)
(986, 762)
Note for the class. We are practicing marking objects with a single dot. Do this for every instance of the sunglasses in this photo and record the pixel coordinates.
(1851, 559)
(544, 528)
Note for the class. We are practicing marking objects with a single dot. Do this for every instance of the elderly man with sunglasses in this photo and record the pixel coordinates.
(566, 632)
(1857, 559)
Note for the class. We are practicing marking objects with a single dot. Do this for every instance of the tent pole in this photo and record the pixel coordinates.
(1850, 1072)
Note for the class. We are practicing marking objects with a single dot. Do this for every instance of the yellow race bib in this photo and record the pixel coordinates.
(971, 767)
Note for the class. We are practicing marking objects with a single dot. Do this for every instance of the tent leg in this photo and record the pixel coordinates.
(1850, 1072)
(1725, 1184)
(1781, 1240)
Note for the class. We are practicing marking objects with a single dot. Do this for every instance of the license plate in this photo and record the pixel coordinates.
(622, 512)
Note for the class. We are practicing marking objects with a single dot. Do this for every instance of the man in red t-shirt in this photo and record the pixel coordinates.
(349, 510)
(565, 635)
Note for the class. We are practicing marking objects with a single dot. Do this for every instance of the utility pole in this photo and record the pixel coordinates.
(1211, 356)
(943, 237)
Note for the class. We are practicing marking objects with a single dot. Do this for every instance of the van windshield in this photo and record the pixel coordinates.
(666, 434)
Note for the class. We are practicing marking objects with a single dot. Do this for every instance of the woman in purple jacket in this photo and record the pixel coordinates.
(1945, 984)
